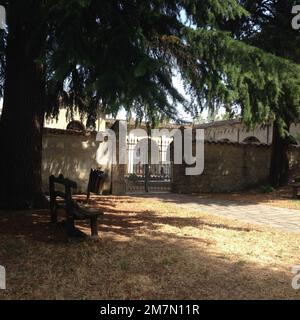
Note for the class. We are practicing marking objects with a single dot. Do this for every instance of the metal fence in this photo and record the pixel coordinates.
(153, 177)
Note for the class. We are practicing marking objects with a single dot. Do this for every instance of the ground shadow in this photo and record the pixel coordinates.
(132, 261)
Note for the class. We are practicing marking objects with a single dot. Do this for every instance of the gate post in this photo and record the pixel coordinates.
(118, 169)
(178, 170)
(147, 166)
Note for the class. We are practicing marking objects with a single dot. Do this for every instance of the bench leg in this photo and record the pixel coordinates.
(94, 227)
(72, 231)
(53, 211)
(88, 196)
(70, 226)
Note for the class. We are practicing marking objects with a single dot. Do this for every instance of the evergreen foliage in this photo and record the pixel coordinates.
(113, 54)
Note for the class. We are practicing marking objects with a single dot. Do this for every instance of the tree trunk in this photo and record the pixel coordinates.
(279, 171)
(22, 117)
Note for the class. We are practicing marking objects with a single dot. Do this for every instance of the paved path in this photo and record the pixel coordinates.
(287, 219)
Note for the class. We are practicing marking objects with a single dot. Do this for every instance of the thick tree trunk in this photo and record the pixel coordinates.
(21, 123)
(279, 171)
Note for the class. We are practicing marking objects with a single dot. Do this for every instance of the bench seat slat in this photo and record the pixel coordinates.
(84, 213)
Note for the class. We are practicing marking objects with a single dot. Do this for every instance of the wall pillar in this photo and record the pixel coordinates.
(119, 171)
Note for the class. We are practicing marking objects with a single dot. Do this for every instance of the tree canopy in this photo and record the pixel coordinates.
(114, 54)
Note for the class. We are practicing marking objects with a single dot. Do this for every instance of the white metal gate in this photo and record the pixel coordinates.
(152, 177)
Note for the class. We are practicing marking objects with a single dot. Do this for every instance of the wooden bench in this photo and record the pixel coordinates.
(74, 211)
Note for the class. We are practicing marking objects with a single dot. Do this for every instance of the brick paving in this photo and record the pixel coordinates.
(286, 219)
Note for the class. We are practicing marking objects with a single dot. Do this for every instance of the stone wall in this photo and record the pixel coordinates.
(118, 183)
(72, 154)
(235, 131)
(238, 133)
(229, 167)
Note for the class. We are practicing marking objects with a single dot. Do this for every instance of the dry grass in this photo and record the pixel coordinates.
(148, 250)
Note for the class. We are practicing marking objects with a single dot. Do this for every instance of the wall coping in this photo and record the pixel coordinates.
(69, 132)
(241, 144)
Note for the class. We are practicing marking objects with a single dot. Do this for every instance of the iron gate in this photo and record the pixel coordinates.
(152, 177)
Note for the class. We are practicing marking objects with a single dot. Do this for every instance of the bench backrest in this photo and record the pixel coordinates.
(69, 185)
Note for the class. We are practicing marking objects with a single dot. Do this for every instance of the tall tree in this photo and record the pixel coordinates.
(278, 37)
(268, 26)
(23, 112)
